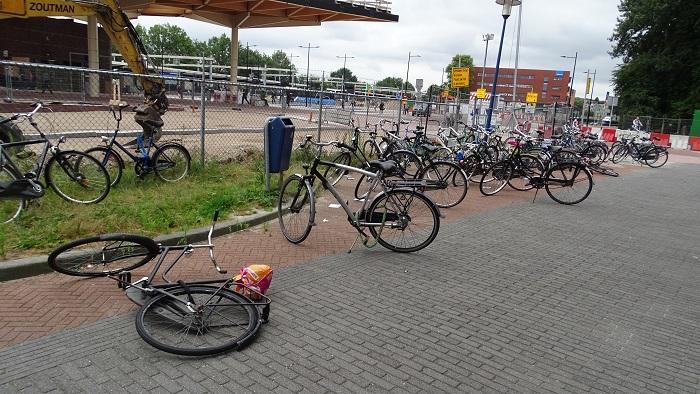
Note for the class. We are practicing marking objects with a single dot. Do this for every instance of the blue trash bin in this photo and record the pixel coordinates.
(280, 136)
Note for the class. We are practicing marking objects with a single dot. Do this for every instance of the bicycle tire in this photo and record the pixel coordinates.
(110, 160)
(395, 205)
(409, 164)
(605, 170)
(296, 194)
(528, 167)
(333, 174)
(166, 323)
(86, 256)
(655, 157)
(370, 150)
(495, 178)
(561, 180)
(362, 187)
(619, 153)
(447, 183)
(171, 162)
(10, 208)
(79, 172)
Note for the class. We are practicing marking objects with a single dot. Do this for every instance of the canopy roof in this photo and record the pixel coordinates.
(264, 13)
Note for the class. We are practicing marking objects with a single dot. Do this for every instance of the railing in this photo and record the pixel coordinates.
(379, 5)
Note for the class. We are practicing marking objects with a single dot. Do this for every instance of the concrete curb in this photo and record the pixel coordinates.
(37, 265)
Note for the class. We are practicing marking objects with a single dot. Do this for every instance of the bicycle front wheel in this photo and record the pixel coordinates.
(568, 183)
(446, 183)
(495, 178)
(526, 168)
(11, 207)
(171, 162)
(198, 321)
(110, 160)
(77, 177)
(410, 220)
(335, 174)
(296, 209)
(103, 255)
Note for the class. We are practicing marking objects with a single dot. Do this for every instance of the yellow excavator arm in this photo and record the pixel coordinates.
(123, 35)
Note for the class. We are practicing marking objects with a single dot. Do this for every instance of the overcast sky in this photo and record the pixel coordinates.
(438, 29)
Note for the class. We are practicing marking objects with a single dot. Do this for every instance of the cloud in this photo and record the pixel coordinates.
(439, 29)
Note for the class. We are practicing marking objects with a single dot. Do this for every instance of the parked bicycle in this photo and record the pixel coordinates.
(644, 152)
(75, 176)
(170, 161)
(186, 318)
(400, 217)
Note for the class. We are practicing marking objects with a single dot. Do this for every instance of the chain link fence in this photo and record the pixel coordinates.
(658, 125)
(214, 119)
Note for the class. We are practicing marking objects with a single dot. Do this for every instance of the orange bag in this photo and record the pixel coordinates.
(256, 277)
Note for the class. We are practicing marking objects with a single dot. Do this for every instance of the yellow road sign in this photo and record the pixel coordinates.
(460, 77)
(531, 97)
(481, 93)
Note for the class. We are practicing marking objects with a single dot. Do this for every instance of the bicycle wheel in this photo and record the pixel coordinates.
(655, 157)
(409, 164)
(334, 174)
(171, 162)
(495, 178)
(527, 167)
(198, 320)
(604, 170)
(411, 220)
(619, 153)
(110, 160)
(362, 187)
(446, 183)
(568, 183)
(296, 209)
(77, 177)
(443, 153)
(9, 207)
(103, 255)
(370, 150)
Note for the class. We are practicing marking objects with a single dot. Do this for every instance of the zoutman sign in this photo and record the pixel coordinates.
(48, 7)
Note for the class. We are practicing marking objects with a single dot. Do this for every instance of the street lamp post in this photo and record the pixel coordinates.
(405, 84)
(308, 64)
(573, 74)
(291, 66)
(345, 58)
(487, 37)
(507, 6)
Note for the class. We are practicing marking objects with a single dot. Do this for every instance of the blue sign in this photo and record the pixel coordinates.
(559, 73)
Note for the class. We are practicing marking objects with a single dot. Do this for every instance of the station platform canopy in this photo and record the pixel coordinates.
(264, 13)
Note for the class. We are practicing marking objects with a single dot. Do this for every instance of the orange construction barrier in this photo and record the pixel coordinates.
(609, 134)
(694, 143)
(664, 139)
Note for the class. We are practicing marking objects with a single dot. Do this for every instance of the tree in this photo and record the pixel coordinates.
(219, 48)
(395, 82)
(658, 43)
(167, 39)
(464, 61)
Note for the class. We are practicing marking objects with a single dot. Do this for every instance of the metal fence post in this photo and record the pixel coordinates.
(82, 84)
(202, 118)
(320, 105)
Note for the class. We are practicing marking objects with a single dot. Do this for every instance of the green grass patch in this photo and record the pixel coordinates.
(146, 206)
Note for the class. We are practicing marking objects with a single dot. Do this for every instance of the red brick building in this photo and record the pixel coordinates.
(550, 85)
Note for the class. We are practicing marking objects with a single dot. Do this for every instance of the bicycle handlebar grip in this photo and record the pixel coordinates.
(216, 215)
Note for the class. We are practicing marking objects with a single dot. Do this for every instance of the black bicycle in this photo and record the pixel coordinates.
(186, 318)
(170, 161)
(75, 176)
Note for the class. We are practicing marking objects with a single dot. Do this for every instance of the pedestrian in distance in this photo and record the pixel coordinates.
(637, 124)
(263, 97)
(381, 107)
(245, 96)
(46, 83)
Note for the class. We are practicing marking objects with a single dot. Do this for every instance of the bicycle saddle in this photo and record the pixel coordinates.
(429, 147)
(385, 166)
(419, 128)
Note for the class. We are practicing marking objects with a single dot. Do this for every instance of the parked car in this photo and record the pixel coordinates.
(420, 110)
(605, 121)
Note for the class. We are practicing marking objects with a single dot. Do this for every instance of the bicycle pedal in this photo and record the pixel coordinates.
(124, 280)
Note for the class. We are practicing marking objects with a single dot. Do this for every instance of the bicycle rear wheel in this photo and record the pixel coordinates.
(103, 255)
(446, 183)
(655, 157)
(198, 320)
(10, 207)
(409, 164)
(411, 220)
(568, 183)
(171, 162)
(296, 209)
(526, 168)
(77, 177)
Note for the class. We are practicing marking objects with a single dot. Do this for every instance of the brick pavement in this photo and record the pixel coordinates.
(530, 297)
